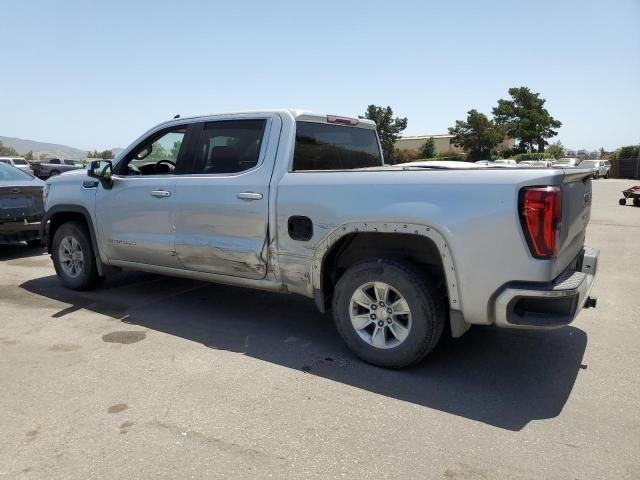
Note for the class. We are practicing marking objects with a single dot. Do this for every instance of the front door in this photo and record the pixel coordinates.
(135, 216)
(222, 208)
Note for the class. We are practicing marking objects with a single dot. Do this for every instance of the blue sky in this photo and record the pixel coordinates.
(98, 74)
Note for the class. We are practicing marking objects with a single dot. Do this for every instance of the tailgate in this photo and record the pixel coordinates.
(21, 202)
(576, 212)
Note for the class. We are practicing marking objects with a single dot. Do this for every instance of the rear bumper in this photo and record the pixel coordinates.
(19, 230)
(548, 305)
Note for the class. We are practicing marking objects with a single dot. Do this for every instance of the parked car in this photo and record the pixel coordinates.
(567, 162)
(534, 163)
(55, 166)
(21, 205)
(18, 162)
(484, 163)
(444, 164)
(600, 168)
(505, 162)
(298, 202)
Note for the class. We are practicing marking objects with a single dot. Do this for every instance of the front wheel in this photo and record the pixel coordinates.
(388, 313)
(622, 201)
(73, 257)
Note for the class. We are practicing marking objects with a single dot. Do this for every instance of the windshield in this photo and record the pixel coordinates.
(588, 163)
(7, 173)
(20, 161)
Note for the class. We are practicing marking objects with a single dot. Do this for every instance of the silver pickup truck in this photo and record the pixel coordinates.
(292, 201)
(54, 166)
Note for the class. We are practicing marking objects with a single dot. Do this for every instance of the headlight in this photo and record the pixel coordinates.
(45, 191)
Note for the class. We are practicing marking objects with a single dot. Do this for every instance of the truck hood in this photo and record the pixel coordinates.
(70, 175)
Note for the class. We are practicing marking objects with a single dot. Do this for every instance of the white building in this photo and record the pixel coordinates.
(442, 142)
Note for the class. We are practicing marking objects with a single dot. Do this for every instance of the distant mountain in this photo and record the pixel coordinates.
(50, 149)
(53, 150)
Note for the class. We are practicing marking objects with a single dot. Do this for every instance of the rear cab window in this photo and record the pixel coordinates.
(323, 146)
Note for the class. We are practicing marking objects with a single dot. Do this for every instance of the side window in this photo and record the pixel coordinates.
(229, 146)
(320, 146)
(156, 156)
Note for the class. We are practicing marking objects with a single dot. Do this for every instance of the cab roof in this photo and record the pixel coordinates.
(297, 114)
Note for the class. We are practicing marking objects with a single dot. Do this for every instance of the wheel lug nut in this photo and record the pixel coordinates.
(374, 306)
(389, 311)
(382, 304)
(380, 323)
(388, 320)
(373, 316)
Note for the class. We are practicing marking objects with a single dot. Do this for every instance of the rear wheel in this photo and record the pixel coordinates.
(622, 201)
(636, 202)
(54, 173)
(388, 313)
(73, 257)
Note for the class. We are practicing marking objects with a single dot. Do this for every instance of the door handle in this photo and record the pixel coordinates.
(249, 196)
(160, 193)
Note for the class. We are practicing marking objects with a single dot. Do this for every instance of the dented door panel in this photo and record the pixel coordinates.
(222, 219)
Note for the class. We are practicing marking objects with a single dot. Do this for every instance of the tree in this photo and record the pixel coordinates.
(602, 153)
(525, 119)
(404, 155)
(428, 149)
(478, 135)
(556, 150)
(175, 150)
(157, 153)
(630, 151)
(388, 128)
(28, 155)
(7, 151)
(106, 154)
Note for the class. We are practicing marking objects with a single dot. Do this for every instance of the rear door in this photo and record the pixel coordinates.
(20, 196)
(222, 207)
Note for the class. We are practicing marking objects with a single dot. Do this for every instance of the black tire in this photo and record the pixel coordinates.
(54, 173)
(425, 302)
(606, 175)
(636, 202)
(35, 243)
(88, 276)
(622, 201)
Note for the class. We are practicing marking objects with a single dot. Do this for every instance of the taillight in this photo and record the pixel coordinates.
(342, 120)
(540, 215)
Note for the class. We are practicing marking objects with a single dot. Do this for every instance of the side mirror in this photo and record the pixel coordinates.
(102, 170)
